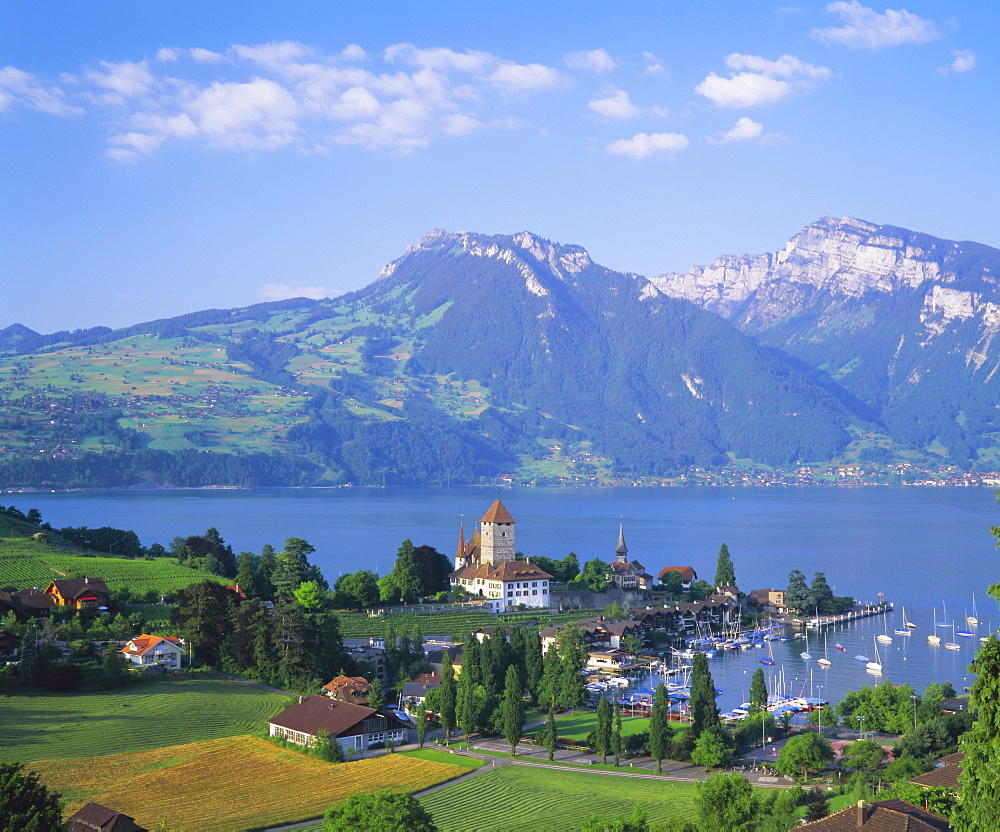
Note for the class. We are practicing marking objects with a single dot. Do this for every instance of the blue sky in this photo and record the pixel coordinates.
(163, 157)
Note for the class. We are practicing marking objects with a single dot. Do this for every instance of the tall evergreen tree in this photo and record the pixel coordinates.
(617, 740)
(421, 717)
(246, 574)
(978, 807)
(797, 593)
(602, 733)
(758, 692)
(704, 714)
(265, 572)
(550, 735)
(406, 573)
(448, 697)
(467, 706)
(472, 659)
(533, 662)
(660, 730)
(549, 686)
(512, 709)
(725, 574)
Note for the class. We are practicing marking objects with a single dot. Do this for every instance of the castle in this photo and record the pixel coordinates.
(486, 565)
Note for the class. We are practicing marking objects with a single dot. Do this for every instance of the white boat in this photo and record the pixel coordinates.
(971, 619)
(876, 664)
(825, 661)
(903, 630)
(952, 645)
(932, 637)
(805, 653)
(884, 637)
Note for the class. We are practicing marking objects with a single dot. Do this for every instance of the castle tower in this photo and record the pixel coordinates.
(621, 550)
(497, 535)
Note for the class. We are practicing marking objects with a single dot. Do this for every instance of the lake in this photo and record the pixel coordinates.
(923, 548)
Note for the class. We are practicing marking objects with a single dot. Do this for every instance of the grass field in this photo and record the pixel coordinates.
(148, 716)
(579, 725)
(529, 798)
(232, 783)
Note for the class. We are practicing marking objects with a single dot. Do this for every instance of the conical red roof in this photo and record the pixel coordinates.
(497, 513)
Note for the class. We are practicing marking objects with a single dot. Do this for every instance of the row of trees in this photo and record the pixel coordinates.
(814, 597)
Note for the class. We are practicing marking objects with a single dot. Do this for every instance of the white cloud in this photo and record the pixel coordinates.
(166, 55)
(654, 64)
(644, 145)
(745, 89)
(864, 28)
(744, 130)
(440, 58)
(757, 80)
(258, 114)
(205, 56)
(596, 60)
(21, 89)
(127, 79)
(284, 291)
(616, 106)
(273, 54)
(963, 61)
(787, 66)
(521, 78)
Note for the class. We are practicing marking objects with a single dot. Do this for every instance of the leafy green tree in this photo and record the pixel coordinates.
(551, 737)
(617, 741)
(595, 575)
(309, 595)
(448, 697)
(725, 573)
(636, 822)
(512, 709)
(660, 730)
(863, 755)
(572, 688)
(602, 734)
(379, 812)
(614, 611)
(820, 595)
(406, 573)
(726, 802)
(978, 807)
(434, 570)
(632, 644)
(804, 753)
(26, 805)
(758, 692)
(549, 686)
(327, 748)
(246, 574)
(712, 748)
(797, 593)
(533, 662)
(700, 590)
(358, 589)
(202, 616)
(672, 583)
(704, 713)
(291, 567)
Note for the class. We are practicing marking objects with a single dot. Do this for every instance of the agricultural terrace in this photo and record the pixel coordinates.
(24, 564)
(233, 783)
(530, 797)
(131, 720)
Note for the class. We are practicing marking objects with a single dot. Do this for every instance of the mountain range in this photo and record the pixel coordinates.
(473, 357)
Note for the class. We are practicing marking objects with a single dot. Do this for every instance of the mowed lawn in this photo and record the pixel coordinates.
(230, 784)
(147, 716)
(531, 798)
(579, 725)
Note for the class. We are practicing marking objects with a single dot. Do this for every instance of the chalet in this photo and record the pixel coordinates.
(355, 727)
(598, 633)
(487, 566)
(688, 575)
(348, 689)
(415, 692)
(93, 817)
(716, 611)
(80, 593)
(9, 644)
(26, 604)
(435, 657)
(148, 651)
(880, 816)
(623, 574)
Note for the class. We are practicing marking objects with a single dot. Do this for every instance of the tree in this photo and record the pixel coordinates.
(804, 753)
(816, 805)
(595, 575)
(291, 567)
(202, 615)
(550, 735)
(512, 709)
(327, 748)
(406, 573)
(725, 574)
(758, 692)
(637, 822)
(602, 734)
(711, 749)
(632, 644)
(246, 574)
(447, 714)
(797, 593)
(376, 699)
(549, 685)
(978, 807)
(572, 688)
(614, 611)
(467, 705)
(533, 662)
(726, 801)
(863, 755)
(672, 583)
(434, 570)
(617, 742)
(704, 714)
(379, 812)
(310, 596)
(358, 589)
(26, 805)
(820, 598)
(660, 730)
(422, 720)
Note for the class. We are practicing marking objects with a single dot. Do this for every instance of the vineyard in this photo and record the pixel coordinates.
(234, 783)
(458, 623)
(148, 716)
(528, 797)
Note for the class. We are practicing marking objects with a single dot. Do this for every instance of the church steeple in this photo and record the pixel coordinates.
(460, 552)
(621, 550)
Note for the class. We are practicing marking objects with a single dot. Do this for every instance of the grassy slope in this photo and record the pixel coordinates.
(131, 720)
(232, 783)
(522, 797)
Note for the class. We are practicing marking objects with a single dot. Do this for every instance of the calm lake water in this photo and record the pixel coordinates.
(923, 548)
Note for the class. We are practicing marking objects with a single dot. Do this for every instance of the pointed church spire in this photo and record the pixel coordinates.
(460, 552)
(621, 550)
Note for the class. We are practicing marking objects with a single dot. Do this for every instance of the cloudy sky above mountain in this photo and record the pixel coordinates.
(164, 157)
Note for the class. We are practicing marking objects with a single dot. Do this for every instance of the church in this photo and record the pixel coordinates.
(623, 574)
(486, 565)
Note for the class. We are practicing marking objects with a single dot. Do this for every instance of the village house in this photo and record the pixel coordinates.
(80, 593)
(944, 775)
(10, 644)
(487, 566)
(415, 692)
(687, 573)
(880, 815)
(93, 817)
(26, 604)
(348, 689)
(767, 600)
(598, 633)
(371, 651)
(623, 574)
(148, 651)
(355, 727)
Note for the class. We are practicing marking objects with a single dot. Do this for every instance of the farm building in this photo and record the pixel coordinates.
(348, 689)
(93, 817)
(355, 727)
(154, 651)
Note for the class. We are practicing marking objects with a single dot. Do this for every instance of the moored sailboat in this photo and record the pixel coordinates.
(825, 661)
(971, 619)
(932, 637)
(876, 664)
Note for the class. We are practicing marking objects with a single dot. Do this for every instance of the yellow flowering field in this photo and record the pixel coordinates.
(229, 784)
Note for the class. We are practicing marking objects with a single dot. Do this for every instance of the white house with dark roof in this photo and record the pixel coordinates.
(355, 727)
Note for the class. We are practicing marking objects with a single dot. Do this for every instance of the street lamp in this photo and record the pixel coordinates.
(914, 698)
